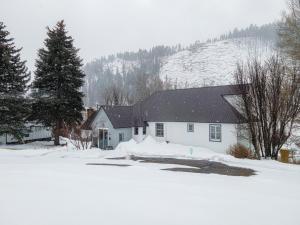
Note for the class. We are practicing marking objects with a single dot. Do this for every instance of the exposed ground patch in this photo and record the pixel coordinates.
(108, 164)
(199, 166)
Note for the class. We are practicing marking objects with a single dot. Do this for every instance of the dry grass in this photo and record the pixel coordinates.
(241, 152)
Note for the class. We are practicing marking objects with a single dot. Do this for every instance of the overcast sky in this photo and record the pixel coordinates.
(102, 27)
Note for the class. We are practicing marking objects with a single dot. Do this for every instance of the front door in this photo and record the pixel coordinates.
(103, 138)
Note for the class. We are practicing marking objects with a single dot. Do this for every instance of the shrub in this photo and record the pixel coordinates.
(240, 151)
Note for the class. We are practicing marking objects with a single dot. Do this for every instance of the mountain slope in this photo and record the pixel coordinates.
(211, 63)
(201, 64)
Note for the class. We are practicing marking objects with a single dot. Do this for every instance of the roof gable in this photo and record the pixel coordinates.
(119, 116)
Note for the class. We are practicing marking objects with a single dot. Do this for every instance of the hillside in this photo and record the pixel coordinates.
(211, 63)
(200, 64)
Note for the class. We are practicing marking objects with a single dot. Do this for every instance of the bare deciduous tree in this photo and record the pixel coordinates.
(270, 100)
(289, 30)
(114, 95)
(147, 85)
(144, 85)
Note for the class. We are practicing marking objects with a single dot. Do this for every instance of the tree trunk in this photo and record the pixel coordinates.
(256, 149)
(56, 138)
(267, 154)
(275, 154)
(57, 132)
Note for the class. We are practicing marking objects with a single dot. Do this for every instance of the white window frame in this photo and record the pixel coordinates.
(159, 131)
(188, 128)
(214, 133)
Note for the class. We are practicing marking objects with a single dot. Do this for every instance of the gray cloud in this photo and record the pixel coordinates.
(102, 27)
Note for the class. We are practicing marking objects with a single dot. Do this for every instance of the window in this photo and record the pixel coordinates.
(215, 132)
(121, 137)
(190, 127)
(159, 129)
(136, 131)
(144, 127)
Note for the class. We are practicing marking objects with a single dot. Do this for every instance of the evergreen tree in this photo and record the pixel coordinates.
(58, 80)
(13, 85)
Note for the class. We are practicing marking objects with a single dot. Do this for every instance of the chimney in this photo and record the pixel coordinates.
(90, 111)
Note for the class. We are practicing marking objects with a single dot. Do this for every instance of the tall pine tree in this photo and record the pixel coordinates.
(58, 80)
(13, 85)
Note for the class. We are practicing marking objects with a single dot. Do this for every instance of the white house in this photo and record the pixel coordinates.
(109, 126)
(196, 116)
(33, 132)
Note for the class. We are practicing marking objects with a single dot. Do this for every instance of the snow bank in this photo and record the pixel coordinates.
(47, 149)
(150, 147)
(37, 145)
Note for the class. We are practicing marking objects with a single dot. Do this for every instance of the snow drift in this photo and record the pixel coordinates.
(150, 147)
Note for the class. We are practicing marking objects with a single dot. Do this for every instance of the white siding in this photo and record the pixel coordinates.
(2, 139)
(39, 132)
(35, 132)
(102, 121)
(125, 131)
(176, 132)
(140, 136)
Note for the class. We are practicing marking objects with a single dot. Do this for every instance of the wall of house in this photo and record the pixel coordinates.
(140, 136)
(102, 121)
(2, 139)
(176, 132)
(33, 132)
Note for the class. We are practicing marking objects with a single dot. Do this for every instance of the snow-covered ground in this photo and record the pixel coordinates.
(53, 186)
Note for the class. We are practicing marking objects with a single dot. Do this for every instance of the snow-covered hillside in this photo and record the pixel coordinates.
(201, 64)
(211, 63)
(120, 66)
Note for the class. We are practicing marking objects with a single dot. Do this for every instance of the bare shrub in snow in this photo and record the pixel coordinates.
(75, 137)
(241, 152)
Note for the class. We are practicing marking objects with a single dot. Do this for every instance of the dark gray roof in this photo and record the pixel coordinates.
(202, 105)
(119, 116)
